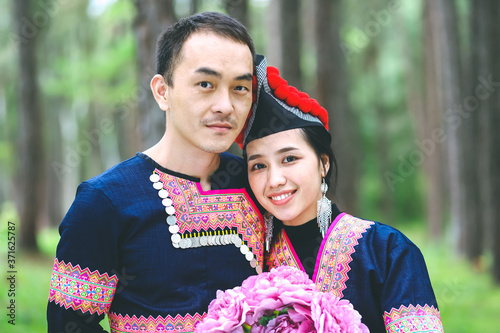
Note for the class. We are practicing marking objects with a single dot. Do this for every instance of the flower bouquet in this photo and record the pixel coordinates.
(282, 300)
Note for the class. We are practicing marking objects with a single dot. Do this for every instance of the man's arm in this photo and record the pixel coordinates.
(83, 279)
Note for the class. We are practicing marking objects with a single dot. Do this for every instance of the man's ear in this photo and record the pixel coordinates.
(325, 163)
(160, 88)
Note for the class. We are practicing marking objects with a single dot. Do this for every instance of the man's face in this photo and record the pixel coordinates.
(211, 94)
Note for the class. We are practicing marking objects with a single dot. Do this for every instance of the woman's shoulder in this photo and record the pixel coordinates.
(383, 234)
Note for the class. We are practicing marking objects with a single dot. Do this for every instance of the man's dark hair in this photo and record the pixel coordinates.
(170, 42)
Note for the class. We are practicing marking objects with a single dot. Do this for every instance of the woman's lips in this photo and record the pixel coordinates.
(281, 198)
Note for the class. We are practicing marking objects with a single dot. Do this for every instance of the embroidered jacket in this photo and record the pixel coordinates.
(150, 248)
(379, 270)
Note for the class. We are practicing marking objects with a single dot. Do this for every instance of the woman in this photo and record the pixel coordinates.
(290, 163)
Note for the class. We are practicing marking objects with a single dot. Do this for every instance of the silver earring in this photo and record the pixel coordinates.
(268, 220)
(324, 210)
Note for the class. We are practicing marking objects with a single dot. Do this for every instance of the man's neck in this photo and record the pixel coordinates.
(190, 161)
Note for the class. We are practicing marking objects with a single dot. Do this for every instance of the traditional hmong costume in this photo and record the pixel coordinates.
(380, 271)
(372, 265)
(150, 248)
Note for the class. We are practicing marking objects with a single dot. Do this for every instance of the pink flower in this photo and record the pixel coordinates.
(227, 313)
(276, 289)
(282, 300)
(333, 315)
(285, 324)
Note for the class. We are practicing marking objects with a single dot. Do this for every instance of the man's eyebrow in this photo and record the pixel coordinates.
(244, 77)
(208, 71)
(212, 72)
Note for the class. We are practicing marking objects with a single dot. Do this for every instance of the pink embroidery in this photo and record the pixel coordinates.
(81, 289)
(127, 324)
(413, 319)
(335, 253)
(200, 211)
(282, 253)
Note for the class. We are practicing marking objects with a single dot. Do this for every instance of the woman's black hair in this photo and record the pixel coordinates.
(320, 140)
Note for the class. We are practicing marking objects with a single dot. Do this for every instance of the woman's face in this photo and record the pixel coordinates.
(285, 175)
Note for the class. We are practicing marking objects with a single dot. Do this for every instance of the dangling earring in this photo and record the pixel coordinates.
(324, 210)
(268, 220)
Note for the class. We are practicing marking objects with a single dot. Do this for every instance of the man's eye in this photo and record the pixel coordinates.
(242, 88)
(205, 84)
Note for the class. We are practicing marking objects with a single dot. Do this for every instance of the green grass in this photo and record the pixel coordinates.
(468, 300)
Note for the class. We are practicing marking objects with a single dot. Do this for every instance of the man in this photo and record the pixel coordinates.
(150, 241)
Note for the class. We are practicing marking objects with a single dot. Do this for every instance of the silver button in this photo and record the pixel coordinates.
(172, 220)
(258, 269)
(253, 263)
(170, 210)
(249, 256)
(176, 238)
(185, 243)
(163, 193)
(195, 242)
(237, 241)
(154, 178)
(167, 202)
(173, 229)
(158, 185)
(243, 249)
(204, 240)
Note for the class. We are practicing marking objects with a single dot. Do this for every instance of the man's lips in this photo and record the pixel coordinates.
(220, 126)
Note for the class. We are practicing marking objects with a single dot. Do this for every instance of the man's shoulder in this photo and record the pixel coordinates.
(124, 172)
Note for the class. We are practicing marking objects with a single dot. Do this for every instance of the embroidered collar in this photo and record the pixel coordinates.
(210, 218)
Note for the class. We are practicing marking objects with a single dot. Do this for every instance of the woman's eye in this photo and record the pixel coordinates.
(258, 166)
(289, 159)
(205, 84)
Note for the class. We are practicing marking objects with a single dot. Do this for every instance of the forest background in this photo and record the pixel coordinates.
(412, 88)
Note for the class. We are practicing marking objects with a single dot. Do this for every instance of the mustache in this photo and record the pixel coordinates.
(224, 119)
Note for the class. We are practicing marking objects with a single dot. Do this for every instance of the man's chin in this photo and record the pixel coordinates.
(215, 147)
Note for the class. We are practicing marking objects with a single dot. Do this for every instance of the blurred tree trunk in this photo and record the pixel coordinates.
(476, 141)
(237, 9)
(289, 13)
(429, 116)
(54, 153)
(332, 88)
(153, 16)
(193, 6)
(493, 122)
(273, 47)
(450, 72)
(31, 149)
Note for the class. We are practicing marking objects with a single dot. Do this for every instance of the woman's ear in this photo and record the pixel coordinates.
(325, 164)
(160, 88)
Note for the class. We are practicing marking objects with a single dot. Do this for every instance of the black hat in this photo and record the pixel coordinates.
(279, 107)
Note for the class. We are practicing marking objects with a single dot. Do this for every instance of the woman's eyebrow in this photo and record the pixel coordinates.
(279, 151)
